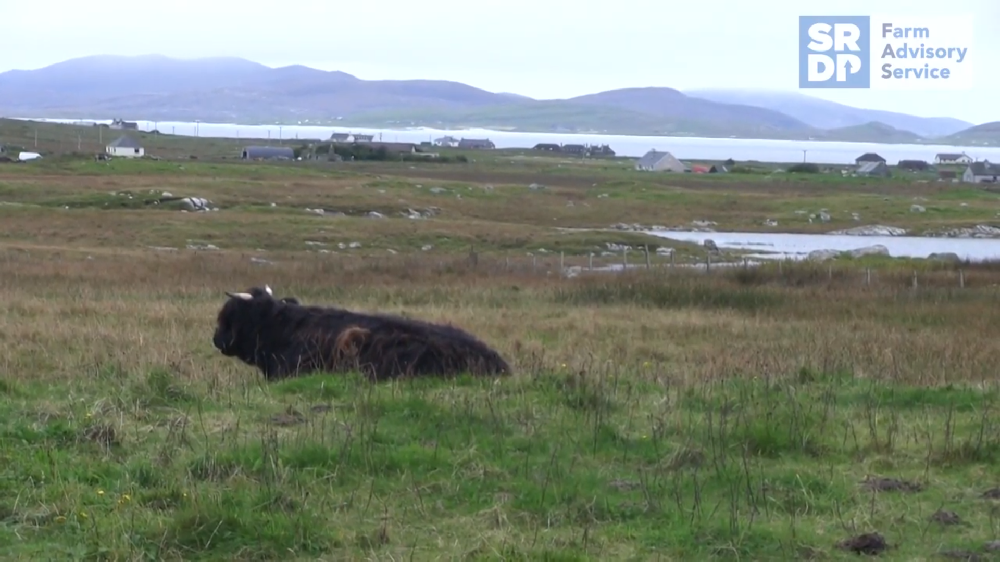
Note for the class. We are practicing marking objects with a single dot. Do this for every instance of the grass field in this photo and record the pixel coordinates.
(747, 414)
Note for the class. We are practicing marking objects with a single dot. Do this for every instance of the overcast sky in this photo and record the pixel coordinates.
(540, 48)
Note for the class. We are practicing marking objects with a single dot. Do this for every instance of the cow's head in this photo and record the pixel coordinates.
(241, 318)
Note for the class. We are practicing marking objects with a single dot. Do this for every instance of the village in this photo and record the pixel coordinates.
(950, 167)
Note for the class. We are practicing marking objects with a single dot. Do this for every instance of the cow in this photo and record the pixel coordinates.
(283, 338)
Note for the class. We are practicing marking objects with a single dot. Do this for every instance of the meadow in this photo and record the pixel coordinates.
(786, 412)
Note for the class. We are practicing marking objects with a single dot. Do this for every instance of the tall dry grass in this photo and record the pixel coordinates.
(67, 313)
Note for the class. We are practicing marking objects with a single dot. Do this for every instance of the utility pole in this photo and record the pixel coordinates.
(804, 155)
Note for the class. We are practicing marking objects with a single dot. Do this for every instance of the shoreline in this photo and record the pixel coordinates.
(152, 125)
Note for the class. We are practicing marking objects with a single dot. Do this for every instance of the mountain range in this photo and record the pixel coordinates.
(227, 89)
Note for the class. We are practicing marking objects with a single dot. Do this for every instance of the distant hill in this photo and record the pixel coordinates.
(825, 114)
(870, 132)
(987, 134)
(227, 89)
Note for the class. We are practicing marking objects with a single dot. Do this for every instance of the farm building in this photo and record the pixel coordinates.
(868, 157)
(268, 153)
(480, 144)
(656, 161)
(982, 172)
(913, 165)
(874, 169)
(125, 147)
(962, 158)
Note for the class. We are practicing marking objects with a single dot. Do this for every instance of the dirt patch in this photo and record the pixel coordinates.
(946, 517)
(871, 544)
(289, 418)
(964, 555)
(102, 434)
(879, 484)
(991, 494)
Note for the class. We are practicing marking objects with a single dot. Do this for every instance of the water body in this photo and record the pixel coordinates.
(685, 148)
(773, 245)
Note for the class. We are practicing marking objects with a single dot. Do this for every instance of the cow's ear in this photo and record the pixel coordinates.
(244, 296)
(267, 288)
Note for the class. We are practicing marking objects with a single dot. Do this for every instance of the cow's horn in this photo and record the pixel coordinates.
(268, 289)
(244, 296)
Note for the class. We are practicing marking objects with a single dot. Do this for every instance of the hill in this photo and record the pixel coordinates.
(825, 114)
(987, 134)
(871, 132)
(227, 89)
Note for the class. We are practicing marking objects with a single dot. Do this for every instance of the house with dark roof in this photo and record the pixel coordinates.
(947, 158)
(656, 161)
(476, 144)
(913, 165)
(125, 147)
(547, 147)
(982, 172)
(873, 169)
(268, 153)
(868, 157)
(340, 137)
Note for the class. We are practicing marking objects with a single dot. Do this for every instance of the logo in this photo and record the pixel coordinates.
(834, 52)
(886, 52)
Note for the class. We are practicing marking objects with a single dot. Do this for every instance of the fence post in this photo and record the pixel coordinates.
(645, 249)
(590, 262)
(708, 262)
(868, 276)
(562, 262)
(829, 273)
(961, 278)
(672, 252)
(506, 262)
(914, 278)
(534, 264)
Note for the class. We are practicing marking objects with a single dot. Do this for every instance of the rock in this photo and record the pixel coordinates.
(354, 245)
(945, 256)
(536, 187)
(822, 255)
(314, 243)
(166, 194)
(824, 216)
(711, 245)
(427, 247)
(917, 209)
(602, 196)
(664, 251)
(316, 211)
(876, 250)
(261, 261)
(770, 222)
(375, 215)
(202, 247)
(871, 230)
(437, 190)
(978, 231)
(196, 204)
(704, 223)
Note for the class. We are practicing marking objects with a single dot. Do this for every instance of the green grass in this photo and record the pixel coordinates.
(610, 465)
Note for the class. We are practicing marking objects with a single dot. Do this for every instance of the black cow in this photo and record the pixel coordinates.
(283, 338)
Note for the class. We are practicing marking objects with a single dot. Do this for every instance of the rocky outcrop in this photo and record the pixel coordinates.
(822, 255)
(871, 230)
(876, 250)
(978, 231)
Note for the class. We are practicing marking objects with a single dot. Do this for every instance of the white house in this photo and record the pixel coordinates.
(656, 161)
(126, 147)
(448, 141)
(962, 158)
(982, 172)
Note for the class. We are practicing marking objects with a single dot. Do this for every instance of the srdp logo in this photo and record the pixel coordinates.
(834, 52)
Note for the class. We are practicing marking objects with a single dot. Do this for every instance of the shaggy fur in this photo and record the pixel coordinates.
(283, 338)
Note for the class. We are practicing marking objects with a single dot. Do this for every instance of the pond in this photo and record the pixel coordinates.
(775, 245)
